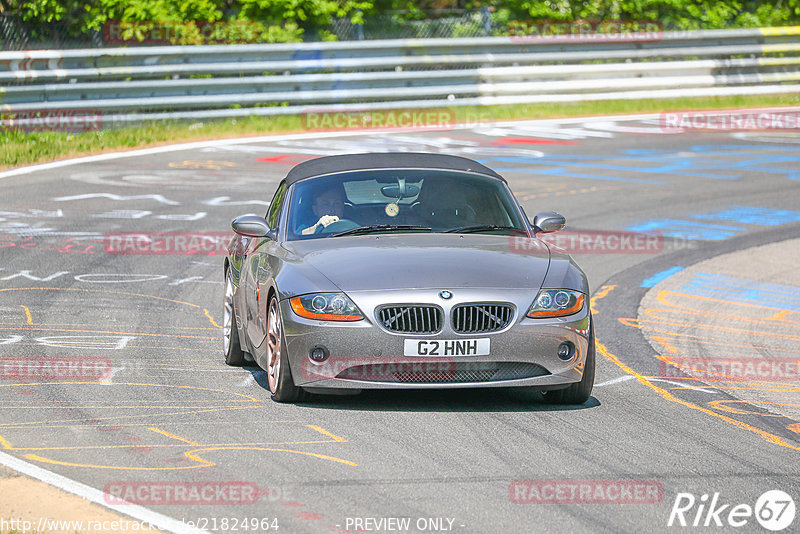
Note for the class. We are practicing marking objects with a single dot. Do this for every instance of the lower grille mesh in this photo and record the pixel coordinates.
(443, 372)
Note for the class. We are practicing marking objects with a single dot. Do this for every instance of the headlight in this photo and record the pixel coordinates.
(556, 303)
(326, 307)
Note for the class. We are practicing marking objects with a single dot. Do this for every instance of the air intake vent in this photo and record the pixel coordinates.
(481, 318)
(411, 319)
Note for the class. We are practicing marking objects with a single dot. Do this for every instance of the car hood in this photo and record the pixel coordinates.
(425, 261)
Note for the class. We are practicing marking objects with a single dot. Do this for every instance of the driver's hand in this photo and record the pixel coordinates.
(325, 220)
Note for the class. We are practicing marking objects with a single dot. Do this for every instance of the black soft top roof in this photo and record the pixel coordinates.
(384, 160)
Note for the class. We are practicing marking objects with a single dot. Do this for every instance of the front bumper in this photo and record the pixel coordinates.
(364, 355)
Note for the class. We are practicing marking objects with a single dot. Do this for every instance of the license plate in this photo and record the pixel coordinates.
(446, 347)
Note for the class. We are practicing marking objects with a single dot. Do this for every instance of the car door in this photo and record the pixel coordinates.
(238, 256)
(259, 272)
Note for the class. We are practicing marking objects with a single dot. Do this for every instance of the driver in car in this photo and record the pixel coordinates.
(329, 207)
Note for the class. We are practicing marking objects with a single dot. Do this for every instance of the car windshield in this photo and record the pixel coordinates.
(404, 200)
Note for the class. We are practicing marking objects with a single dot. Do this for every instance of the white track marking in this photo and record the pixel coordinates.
(182, 216)
(696, 388)
(226, 201)
(27, 274)
(195, 280)
(617, 380)
(195, 369)
(110, 377)
(96, 496)
(112, 196)
(123, 214)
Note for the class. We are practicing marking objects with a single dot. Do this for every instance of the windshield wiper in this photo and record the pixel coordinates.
(381, 228)
(481, 228)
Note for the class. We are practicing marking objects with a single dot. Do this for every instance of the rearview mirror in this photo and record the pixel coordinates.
(250, 225)
(549, 221)
(400, 191)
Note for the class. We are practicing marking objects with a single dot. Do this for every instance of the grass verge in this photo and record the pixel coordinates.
(23, 148)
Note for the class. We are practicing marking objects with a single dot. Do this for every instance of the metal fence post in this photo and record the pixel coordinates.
(486, 18)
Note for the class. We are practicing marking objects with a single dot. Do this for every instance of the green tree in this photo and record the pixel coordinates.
(291, 20)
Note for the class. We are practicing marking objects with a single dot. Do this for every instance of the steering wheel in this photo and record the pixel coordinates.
(342, 225)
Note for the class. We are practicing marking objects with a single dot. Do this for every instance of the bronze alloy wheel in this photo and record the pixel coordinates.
(274, 346)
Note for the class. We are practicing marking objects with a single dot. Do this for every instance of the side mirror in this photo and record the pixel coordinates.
(548, 221)
(250, 225)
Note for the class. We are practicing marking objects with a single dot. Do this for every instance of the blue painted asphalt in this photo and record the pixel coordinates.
(658, 277)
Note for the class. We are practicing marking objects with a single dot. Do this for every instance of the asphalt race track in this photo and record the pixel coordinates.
(158, 405)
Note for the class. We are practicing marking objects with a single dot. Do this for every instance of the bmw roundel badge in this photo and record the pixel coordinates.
(445, 294)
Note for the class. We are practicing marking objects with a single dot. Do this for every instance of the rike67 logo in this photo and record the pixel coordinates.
(774, 510)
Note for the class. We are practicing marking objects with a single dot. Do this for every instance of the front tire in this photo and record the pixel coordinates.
(579, 392)
(234, 355)
(279, 375)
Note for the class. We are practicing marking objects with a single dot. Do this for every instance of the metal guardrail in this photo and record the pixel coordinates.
(196, 82)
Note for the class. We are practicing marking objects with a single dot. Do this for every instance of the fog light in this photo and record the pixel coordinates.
(318, 354)
(566, 350)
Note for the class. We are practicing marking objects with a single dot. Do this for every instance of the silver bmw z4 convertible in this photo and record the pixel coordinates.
(405, 270)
